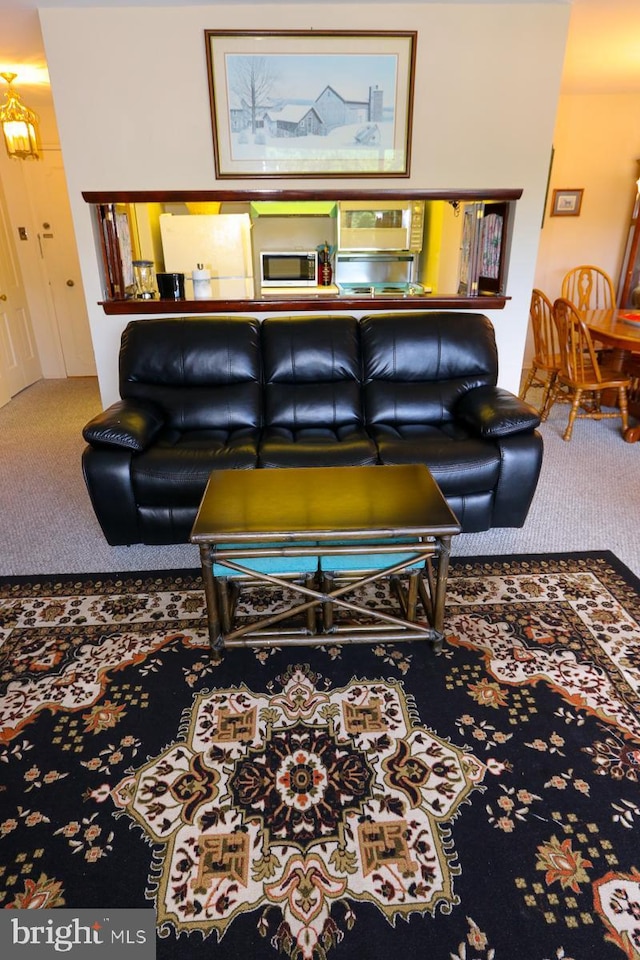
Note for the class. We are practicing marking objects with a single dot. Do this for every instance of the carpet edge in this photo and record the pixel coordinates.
(194, 573)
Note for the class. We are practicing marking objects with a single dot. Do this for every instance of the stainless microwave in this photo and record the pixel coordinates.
(289, 268)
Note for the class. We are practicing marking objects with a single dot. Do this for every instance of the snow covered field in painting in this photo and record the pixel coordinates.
(339, 145)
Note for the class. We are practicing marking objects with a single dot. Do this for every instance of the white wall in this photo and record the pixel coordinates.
(132, 106)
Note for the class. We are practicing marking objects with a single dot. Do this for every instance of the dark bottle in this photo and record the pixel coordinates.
(326, 271)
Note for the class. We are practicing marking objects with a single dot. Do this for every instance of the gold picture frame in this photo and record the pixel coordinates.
(566, 203)
(316, 103)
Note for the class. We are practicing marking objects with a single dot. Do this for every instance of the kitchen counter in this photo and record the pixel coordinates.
(297, 293)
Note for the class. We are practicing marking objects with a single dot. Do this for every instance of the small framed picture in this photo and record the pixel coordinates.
(566, 203)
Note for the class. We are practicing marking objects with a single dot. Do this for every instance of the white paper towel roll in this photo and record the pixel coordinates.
(201, 283)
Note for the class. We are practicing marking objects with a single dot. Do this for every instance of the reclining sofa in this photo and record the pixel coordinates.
(211, 393)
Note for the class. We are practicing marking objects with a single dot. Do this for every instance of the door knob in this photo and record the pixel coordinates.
(70, 283)
(3, 296)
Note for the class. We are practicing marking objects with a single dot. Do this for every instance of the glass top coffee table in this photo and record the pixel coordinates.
(323, 533)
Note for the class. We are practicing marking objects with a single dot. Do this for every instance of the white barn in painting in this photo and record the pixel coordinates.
(329, 110)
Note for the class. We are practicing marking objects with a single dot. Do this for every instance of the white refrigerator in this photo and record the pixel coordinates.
(221, 243)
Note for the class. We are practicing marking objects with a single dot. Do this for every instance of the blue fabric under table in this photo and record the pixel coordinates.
(300, 565)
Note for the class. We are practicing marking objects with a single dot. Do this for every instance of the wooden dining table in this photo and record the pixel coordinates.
(619, 331)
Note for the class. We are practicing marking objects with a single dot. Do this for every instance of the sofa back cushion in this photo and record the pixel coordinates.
(417, 366)
(311, 368)
(204, 372)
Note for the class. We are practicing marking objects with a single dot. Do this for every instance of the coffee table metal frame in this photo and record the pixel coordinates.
(409, 534)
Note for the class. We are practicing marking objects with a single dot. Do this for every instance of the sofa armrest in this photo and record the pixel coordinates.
(491, 412)
(107, 474)
(126, 425)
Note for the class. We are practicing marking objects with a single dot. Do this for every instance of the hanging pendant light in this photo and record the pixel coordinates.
(19, 125)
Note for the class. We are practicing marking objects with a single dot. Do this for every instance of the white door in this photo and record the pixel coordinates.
(56, 239)
(19, 363)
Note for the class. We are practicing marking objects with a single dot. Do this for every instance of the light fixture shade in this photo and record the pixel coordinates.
(19, 126)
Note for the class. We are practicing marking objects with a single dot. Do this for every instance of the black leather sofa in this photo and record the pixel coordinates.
(208, 393)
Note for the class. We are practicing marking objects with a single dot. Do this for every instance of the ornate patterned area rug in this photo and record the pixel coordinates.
(343, 802)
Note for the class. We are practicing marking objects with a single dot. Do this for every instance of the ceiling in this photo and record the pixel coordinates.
(603, 50)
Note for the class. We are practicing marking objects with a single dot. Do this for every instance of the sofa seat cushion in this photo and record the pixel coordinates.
(176, 469)
(346, 446)
(460, 464)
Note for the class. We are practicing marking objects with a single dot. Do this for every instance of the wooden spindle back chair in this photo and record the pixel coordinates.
(589, 288)
(581, 372)
(546, 361)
